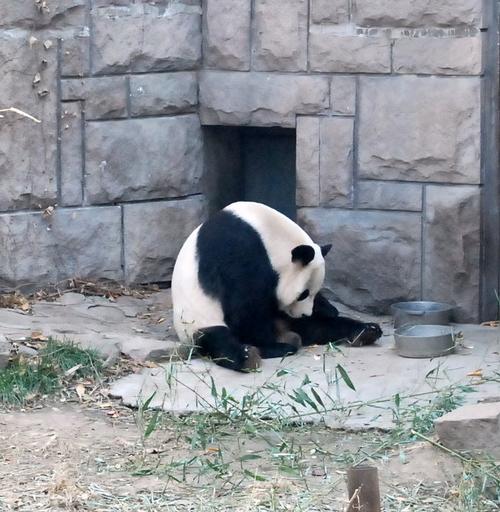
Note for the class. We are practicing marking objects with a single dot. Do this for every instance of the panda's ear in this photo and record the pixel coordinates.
(325, 249)
(303, 254)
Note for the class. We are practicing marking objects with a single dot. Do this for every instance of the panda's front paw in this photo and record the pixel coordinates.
(368, 334)
(252, 358)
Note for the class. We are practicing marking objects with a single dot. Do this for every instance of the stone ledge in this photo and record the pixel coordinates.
(473, 427)
(260, 99)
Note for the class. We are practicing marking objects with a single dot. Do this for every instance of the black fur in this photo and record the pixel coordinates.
(325, 249)
(303, 254)
(326, 326)
(234, 268)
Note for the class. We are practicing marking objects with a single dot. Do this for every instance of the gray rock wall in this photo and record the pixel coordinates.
(118, 151)
(385, 97)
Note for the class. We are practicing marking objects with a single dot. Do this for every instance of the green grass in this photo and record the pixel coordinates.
(25, 379)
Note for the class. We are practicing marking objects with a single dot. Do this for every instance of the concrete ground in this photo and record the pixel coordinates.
(311, 385)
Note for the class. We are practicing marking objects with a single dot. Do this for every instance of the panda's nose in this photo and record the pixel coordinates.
(304, 315)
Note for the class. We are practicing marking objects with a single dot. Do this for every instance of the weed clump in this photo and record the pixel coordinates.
(46, 373)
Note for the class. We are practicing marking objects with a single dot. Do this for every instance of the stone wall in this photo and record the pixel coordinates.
(385, 97)
(118, 151)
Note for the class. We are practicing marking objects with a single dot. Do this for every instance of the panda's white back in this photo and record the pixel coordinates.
(193, 308)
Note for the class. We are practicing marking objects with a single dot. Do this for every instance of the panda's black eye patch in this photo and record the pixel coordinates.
(303, 295)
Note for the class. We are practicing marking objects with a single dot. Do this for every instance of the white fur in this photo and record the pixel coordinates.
(194, 310)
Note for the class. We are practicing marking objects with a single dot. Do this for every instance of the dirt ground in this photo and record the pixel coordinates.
(66, 456)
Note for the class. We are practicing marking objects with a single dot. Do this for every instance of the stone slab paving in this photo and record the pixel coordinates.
(377, 373)
(138, 328)
(142, 329)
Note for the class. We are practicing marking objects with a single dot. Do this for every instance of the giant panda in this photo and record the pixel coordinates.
(241, 281)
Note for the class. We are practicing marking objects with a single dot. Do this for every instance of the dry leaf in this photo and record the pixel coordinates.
(476, 373)
(48, 44)
(80, 391)
(491, 323)
(36, 78)
(48, 212)
(38, 336)
(32, 41)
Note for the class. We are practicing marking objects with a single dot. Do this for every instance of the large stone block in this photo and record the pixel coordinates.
(433, 133)
(473, 427)
(375, 259)
(27, 148)
(105, 97)
(280, 35)
(386, 195)
(260, 99)
(452, 248)
(331, 50)
(164, 93)
(226, 34)
(27, 14)
(81, 242)
(71, 154)
(307, 161)
(438, 55)
(330, 11)
(75, 55)
(343, 95)
(143, 159)
(417, 13)
(143, 37)
(154, 234)
(336, 163)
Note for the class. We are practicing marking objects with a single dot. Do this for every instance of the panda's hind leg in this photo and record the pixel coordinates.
(225, 350)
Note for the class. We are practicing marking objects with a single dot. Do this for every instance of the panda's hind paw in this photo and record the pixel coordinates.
(252, 358)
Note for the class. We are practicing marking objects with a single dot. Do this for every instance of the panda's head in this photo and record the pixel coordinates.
(302, 279)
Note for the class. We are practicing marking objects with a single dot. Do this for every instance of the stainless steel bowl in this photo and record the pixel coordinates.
(421, 313)
(425, 340)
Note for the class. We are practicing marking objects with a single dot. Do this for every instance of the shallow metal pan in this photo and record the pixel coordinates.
(424, 340)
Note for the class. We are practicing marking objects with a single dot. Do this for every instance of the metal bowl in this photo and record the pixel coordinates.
(421, 313)
(424, 340)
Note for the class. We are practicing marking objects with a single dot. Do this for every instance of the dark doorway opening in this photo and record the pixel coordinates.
(250, 164)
